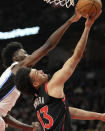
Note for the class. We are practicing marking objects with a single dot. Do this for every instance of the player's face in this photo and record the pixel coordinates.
(20, 55)
(38, 77)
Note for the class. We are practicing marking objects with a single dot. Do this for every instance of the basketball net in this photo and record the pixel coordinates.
(66, 3)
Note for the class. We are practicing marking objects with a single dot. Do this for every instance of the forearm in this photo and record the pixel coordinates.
(78, 52)
(82, 42)
(52, 41)
(17, 124)
(72, 62)
(57, 35)
(84, 115)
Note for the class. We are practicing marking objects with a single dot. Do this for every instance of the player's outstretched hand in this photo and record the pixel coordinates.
(91, 19)
(76, 17)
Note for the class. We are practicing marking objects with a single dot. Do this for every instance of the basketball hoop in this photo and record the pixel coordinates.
(66, 3)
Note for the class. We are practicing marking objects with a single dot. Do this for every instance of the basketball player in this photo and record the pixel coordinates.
(53, 111)
(14, 53)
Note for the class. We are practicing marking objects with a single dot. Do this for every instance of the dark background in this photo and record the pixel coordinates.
(85, 89)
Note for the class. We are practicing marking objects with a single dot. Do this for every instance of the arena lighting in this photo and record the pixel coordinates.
(19, 33)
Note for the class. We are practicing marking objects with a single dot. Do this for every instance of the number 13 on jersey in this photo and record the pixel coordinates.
(44, 111)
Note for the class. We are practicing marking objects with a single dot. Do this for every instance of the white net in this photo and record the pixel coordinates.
(66, 3)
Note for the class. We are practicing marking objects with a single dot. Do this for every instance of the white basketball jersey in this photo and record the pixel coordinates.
(8, 92)
(7, 103)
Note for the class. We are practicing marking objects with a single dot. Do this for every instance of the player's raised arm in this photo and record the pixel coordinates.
(63, 74)
(52, 41)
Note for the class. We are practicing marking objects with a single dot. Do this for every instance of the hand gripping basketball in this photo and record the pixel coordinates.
(89, 7)
(91, 19)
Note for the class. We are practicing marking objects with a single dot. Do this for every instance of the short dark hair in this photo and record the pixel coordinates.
(23, 81)
(8, 52)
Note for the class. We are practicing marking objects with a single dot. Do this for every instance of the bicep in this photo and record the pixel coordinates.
(66, 71)
(60, 77)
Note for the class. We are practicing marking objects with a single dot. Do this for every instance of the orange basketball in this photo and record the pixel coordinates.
(88, 7)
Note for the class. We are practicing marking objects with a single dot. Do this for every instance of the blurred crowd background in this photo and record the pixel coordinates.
(86, 88)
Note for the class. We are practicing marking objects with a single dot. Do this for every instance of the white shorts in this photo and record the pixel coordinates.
(2, 124)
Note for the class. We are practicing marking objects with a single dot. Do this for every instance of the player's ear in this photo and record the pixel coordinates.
(14, 58)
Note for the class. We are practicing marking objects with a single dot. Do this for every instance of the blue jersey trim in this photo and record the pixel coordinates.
(8, 93)
(5, 80)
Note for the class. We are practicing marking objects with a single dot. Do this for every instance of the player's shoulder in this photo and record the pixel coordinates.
(14, 67)
(7, 73)
(13, 64)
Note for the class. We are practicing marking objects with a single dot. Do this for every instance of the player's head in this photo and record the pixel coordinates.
(13, 52)
(29, 80)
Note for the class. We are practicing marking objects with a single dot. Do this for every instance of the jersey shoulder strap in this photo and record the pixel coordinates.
(7, 82)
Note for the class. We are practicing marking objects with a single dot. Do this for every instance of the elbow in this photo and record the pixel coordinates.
(50, 45)
(79, 56)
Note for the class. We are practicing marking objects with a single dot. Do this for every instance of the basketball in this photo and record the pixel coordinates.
(88, 7)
